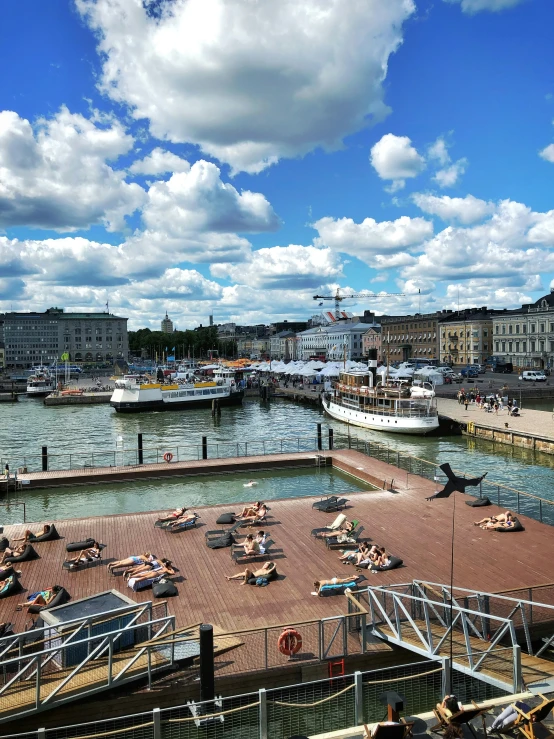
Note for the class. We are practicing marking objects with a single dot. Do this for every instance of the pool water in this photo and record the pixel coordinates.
(201, 490)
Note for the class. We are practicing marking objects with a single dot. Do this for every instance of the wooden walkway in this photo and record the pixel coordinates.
(417, 531)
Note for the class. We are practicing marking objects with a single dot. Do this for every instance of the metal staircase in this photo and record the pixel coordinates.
(489, 636)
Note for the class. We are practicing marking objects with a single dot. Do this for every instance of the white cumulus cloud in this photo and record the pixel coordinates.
(160, 161)
(56, 175)
(464, 210)
(394, 158)
(475, 6)
(548, 153)
(249, 82)
(449, 176)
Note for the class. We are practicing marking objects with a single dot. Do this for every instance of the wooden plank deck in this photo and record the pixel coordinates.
(417, 531)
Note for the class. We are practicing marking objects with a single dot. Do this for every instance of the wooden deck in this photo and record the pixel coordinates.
(417, 531)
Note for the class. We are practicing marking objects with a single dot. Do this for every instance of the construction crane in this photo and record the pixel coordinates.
(338, 298)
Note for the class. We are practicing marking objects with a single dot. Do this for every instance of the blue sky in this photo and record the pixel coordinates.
(235, 157)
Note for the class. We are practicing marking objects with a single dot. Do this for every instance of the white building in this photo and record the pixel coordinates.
(336, 341)
(283, 345)
(525, 336)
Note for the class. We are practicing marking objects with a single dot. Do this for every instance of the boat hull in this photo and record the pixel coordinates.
(160, 405)
(376, 422)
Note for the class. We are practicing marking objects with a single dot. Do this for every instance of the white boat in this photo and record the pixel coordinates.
(133, 394)
(40, 383)
(384, 407)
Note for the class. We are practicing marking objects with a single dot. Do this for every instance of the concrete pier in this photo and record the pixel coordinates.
(57, 398)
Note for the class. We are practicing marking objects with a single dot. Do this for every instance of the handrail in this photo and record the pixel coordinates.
(498, 596)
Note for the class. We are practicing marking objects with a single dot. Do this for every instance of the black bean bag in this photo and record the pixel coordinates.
(164, 589)
(6, 572)
(478, 502)
(49, 535)
(61, 597)
(225, 540)
(3, 544)
(12, 586)
(28, 554)
(518, 526)
(393, 564)
(226, 518)
(76, 546)
(6, 629)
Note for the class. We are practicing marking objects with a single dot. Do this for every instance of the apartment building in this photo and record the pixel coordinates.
(333, 342)
(283, 345)
(371, 340)
(466, 336)
(525, 336)
(410, 337)
(41, 338)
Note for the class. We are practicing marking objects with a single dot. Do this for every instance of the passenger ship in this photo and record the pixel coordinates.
(134, 393)
(358, 400)
(40, 383)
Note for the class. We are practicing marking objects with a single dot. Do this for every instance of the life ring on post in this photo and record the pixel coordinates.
(168, 456)
(290, 642)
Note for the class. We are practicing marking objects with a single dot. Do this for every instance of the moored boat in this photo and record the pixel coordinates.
(40, 384)
(358, 400)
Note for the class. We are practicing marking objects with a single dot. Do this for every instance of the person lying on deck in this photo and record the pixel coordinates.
(162, 569)
(177, 513)
(146, 567)
(260, 514)
(499, 518)
(41, 598)
(29, 534)
(86, 555)
(15, 552)
(362, 551)
(250, 510)
(185, 518)
(318, 584)
(265, 570)
(508, 523)
(345, 528)
(134, 559)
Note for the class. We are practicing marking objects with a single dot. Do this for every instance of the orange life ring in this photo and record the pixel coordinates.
(168, 456)
(290, 642)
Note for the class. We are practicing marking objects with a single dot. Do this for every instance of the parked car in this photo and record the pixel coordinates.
(469, 372)
(533, 376)
(481, 368)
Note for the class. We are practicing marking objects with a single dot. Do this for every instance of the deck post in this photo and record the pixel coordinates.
(517, 681)
(319, 441)
(41, 733)
(45, 459)
(446, 686)
(330, 439)
(140, 450)
(262, 713)
(205, 447)
(157, 721)
(358, 698)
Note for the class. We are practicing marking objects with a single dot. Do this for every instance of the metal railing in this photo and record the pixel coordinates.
(304, 709)
(49, 666)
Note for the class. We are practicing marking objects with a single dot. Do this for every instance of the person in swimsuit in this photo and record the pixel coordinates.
(29, 534)
(318, 584)
(268, 570)
(86, 555)
(507, 523)
(250, 510)
(251, 545)
(350, 556)
(134, 559)
(159, 571)
(187, 518)
(345, 528)
(42, 598)
(259, 515)
(492, 521)
(16, 552)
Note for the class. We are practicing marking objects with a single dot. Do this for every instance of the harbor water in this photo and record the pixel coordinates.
(97, 434)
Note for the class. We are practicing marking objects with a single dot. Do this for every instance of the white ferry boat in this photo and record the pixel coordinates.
(40, 383)
(133, 394)
(357, 400)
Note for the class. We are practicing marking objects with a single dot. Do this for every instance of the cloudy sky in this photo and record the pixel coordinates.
(236, 157)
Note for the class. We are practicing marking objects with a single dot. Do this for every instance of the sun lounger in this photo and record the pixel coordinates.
(50, 535)
(339, 588)
(352, 540)
(401, 730)
(465, 716)
(530, 724)
(220, 532)
(238, 555)
(330, 504)
(337, 523)
(175, 528)
(143, 584)
(72, 566)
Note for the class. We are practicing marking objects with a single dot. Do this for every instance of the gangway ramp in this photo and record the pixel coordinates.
(489, 636)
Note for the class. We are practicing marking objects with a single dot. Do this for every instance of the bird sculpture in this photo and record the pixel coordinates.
(454, 483)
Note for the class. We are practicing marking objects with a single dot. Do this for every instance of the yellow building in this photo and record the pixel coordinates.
(466, 337)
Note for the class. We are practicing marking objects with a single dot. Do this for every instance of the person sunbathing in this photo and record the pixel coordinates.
(350, 556)
(134, 559)
(177, 513)
(163, 569)
(251, 510)
(186, 518)
(318, 584)
(86, 555)
(5, 584)
(365, 559)
(507, 523)
(15, 552)
(260, 515)
(345, 529)
(146, 567)
(499, 518)
(268, 570)
(40, 598)
(29, 534)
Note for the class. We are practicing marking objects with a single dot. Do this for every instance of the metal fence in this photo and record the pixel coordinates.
(304, 709)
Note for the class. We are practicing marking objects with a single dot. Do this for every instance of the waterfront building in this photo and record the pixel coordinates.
(41, 338)
(525, 336)
(371, 341)
(410, 337)
(334, 342)
(252, 347)
(167, 324)
(466, 336)
(2, 355)
(283, 345)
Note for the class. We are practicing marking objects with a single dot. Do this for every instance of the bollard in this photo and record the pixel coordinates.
(207, 672)
(330, 439)
(140, 450)
(204, 447)
(45, 459)
(319, 441)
